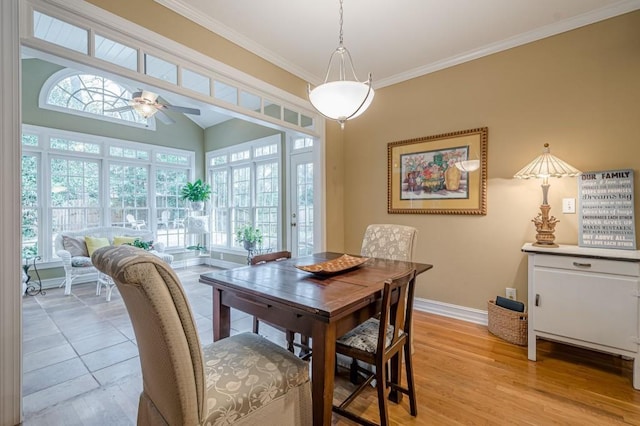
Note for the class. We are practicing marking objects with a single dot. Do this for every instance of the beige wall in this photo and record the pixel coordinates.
(579, 91)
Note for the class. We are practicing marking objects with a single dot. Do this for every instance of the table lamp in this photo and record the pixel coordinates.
(546, 166)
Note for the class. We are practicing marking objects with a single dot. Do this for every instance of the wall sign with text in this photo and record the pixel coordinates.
(606, 210)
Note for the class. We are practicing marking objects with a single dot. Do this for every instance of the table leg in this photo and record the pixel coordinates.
(221, 317)
(323, 366)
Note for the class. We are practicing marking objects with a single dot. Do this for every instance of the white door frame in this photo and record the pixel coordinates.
(10, 288)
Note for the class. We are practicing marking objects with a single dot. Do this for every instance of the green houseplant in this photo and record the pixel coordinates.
(249, 236)
(196, 193)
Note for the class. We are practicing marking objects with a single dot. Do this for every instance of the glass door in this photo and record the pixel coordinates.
(301, 211)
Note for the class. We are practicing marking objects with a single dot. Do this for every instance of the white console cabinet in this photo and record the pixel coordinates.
(585, 297)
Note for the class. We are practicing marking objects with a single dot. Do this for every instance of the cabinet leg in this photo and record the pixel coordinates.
(636, 373)
(531, 347)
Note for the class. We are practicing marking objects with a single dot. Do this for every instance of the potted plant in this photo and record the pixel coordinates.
(196, 193)
(248, 236)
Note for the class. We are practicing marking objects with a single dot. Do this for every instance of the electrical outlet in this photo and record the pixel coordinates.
(510, 292)
(221, 256)
(568, 205)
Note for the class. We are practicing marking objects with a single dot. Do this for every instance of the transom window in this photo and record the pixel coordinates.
(91, 96)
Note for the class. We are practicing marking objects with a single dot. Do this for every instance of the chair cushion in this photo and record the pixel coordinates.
(94, 243)
(75, 246)
(246, 372)
(81, 261)
(365, 336)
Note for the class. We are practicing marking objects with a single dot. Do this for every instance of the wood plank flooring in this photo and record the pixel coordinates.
(464, 375)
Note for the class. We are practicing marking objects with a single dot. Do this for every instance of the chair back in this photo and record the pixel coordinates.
(389, 241)
(131, 219)
(270, 257)
(395, 316)
(170, 352)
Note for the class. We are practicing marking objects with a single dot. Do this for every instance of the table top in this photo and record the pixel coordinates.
(326, 296)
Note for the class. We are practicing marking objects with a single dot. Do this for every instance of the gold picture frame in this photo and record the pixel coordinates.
(422, 177)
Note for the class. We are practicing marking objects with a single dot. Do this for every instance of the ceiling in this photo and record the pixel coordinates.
(395, 40)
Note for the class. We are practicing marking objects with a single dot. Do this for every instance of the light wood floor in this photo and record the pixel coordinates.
(464, 375)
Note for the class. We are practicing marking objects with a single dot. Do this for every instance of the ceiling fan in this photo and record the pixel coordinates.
(146, 104)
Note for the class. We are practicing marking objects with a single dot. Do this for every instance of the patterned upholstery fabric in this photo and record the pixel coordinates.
(243, 379)
(389, 241)
(245, 373)
(365, 336)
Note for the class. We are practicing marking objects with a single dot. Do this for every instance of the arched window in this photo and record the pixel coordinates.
(91, 96)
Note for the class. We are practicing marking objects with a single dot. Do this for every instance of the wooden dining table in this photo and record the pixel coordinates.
(323, 306)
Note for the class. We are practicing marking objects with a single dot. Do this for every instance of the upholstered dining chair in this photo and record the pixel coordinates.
(378, 341)
(389, 241)
(243, 379)
(305, 348)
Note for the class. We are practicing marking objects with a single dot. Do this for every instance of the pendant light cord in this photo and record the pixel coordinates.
(341, 43)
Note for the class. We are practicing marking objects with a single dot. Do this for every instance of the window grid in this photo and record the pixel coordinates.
(304, 193)
(29, 202)
(161, 65)
(170, 208)
(128, 189)
(76, 193)
(246, 190)
(267, 202)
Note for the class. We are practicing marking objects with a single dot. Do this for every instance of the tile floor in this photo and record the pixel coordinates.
(80, 350)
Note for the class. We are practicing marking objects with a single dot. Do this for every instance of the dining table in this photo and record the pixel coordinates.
(323, 304)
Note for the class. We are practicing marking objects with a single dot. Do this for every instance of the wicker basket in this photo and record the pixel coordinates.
(507, 324)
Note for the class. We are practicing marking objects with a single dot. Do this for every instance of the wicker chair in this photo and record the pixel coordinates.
(243, 379)
(305, 348)
(378, 341)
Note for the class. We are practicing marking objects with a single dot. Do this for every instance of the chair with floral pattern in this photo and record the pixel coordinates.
(243, 379)
(389, 241)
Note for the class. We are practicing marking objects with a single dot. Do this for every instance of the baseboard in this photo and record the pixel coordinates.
(223, 263)
(463, 313)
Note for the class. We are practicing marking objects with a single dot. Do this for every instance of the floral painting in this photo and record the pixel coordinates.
(433, 174)
(423, 176)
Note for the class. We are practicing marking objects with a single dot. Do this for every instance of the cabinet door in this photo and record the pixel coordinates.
(592, 307)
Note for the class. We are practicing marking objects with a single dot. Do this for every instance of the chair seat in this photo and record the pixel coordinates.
(246, 372)
(365, 336)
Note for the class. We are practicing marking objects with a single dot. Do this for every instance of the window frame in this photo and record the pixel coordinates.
(45, 154)
(251, 161)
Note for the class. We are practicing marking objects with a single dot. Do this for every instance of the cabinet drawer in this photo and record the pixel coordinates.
(585, 264)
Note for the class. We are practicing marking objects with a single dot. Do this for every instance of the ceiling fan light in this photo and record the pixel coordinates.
(341, 100)
(145, 110)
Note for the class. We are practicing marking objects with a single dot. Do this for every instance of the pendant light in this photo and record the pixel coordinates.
(341, 99)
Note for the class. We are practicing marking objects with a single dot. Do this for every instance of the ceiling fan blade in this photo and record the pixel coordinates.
(123, 108)
(184, 110)
(164, 117)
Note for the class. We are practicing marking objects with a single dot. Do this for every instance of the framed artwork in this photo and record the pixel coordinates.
(423, 178)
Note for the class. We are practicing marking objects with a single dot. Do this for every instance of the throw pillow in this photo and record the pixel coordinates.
(94, 243)
(75, 246)
(118, 241)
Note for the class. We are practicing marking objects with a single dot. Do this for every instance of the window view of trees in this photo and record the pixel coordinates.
(246, 185)
(64, 187)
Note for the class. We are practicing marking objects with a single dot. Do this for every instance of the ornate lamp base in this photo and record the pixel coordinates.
(545, 226)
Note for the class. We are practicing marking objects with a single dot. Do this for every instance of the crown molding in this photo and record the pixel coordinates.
(215, 26)
(618, 8)
(592, 17)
